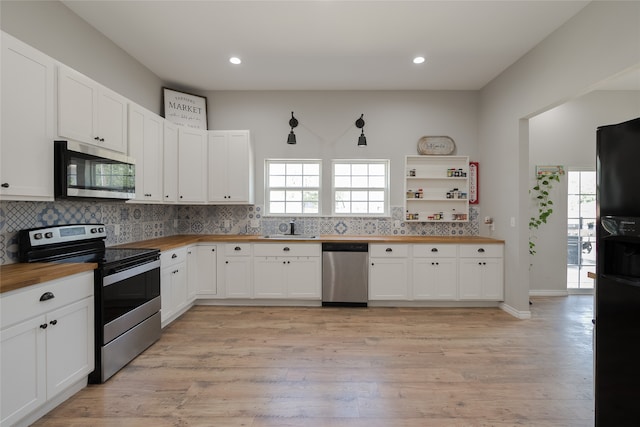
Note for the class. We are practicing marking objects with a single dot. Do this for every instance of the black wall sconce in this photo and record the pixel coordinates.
(293, 122)
(362, 140)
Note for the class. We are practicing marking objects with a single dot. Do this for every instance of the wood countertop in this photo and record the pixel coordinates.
(172, 242)
(16, 276)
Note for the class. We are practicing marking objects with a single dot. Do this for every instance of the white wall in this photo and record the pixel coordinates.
(52, 28)
(394, 122)
(600, 41)
(566, 135)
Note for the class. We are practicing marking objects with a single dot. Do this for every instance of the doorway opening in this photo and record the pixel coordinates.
(581, 231)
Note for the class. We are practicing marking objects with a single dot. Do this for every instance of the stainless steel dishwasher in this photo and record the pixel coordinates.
(345, 274)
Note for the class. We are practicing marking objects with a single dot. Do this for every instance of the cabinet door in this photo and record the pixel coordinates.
(304, 278)
(23, 366)
(388, 279)
(270, 279)
(493, 279)
(237, 274)
(192, 166)
(192, 273)
(217, 186)
(166, 305)
(70, 345)
(239, 169)
(170, 173)
(179, 290)
(145, 145)
(481, 279)
(27, 122)
(435, 279)
(112, 120)
(207, 280)
(77, 106)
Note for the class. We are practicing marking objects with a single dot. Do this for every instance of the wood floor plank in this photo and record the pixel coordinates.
(353, 367)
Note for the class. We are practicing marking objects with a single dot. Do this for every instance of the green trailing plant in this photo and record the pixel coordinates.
(540, 194)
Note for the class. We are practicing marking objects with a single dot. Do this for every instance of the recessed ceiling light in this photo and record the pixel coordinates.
(235, 60)
(418, 60)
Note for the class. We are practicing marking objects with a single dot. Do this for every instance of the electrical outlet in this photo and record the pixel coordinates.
(175, 223)
(513, 221)
(116, 229)
(488, 220)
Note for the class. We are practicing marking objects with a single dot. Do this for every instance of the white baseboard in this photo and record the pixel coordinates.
(523, 315)
(548, 293)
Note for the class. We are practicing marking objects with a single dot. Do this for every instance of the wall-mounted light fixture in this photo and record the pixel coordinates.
(362, 140)
(293, 122)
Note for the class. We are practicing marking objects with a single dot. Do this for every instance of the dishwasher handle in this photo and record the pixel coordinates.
(345, 247)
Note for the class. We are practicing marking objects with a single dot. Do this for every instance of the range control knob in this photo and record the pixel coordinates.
(48, 235)
(37, 236)
(94, 230)
(101, 229)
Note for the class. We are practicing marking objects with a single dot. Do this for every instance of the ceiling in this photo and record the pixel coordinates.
(326, 45)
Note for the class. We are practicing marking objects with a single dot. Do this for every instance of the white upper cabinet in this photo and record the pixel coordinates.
(28, 125)
(192, 165)
(230, 167)
(89, 112)
(170, 175)
(145, 145)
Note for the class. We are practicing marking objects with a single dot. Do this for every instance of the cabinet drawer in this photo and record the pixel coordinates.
(237, 249)
(388, 251)
(172, 257)
(25, 303)
(481, 251)
(287, 249)
(435, 251)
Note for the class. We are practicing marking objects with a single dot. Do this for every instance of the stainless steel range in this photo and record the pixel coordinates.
(127, 289)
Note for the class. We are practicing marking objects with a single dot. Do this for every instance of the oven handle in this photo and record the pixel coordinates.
(125, 274)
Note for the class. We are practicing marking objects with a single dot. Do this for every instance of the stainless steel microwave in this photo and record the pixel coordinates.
(84, 171)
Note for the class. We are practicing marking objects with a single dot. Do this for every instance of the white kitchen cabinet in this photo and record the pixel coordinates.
(89, 112)
(192, 165)
(436, 189)
(237, 270)
(435, 272)
(289, 271)
(146, 146)
(192, 273)
(28, 126)
(173, 284)
(388, 272)
(231, 167)
(170, 169)
(46, 343)
(207, 271)
(481, 272)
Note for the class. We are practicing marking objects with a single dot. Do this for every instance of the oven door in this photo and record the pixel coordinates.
(129, 297)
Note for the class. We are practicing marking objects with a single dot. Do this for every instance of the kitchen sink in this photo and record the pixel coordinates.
(291, 236)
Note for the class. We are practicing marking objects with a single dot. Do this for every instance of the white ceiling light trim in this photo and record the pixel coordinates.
(418, 60)
(235, 60)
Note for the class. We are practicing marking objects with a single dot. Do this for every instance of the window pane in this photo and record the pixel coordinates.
(359, 195)
(376, 207)
(311, 181)
(343, 181)
(294, 196)
(294, 181)
(573, 208)
(377, 182)
(377, 169)
(294, 207)
(294, 169)
(588, 206)
(310, 196)
(359, 169)
(342, 207)
(276, 169)
(276, 207)
(574, 183)
(359, 207)
(360, 182)
(342, 169)
(377, 196)
(276, 181)
(276, 196)
(587, 183)
(343, 195)
(310, 207)
(311, 169)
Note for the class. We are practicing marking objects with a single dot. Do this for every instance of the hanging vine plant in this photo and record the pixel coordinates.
(540, 193)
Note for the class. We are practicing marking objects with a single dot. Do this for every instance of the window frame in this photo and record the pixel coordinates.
(268, 188)
(386, 189)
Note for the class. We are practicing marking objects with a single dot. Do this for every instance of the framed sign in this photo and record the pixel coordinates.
(474, 188)
(185, 109)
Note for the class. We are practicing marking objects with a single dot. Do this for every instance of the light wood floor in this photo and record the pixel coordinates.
(373, 367)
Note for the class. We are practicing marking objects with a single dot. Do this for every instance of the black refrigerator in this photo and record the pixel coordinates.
(617, 290)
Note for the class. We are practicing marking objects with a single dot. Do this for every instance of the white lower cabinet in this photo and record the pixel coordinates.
(46, 344)
(192, 273)
(435, 272)
(481, 272)
(207, 271)
(174, 293)
(237, 270)
(289, 271)
(388, 272)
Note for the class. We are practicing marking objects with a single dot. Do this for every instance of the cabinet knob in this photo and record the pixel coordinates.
(174, 256)
(53, 322)
(286, 249)
(372, 264)
(97, 138)
(47, 296)
(213, 250)
(43, 326)
(389, 250)
(5, 185)
(434, 249)
(237, 248)
(481, 250)
(181, 197)
(226, 262)
(101, 139)
(167, 196)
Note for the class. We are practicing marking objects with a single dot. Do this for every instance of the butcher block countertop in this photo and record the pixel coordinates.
(16, 276)
(172, 242)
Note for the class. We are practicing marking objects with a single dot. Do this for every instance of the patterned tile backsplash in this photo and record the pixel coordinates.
(127, 223)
